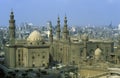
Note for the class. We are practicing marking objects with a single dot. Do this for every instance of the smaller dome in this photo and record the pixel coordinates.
(98, 52)
(85, 37)
(34, 36)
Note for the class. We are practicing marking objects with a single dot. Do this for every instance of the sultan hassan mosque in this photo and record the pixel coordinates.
(35, 51)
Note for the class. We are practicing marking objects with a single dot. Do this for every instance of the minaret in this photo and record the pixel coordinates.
(11, 54)
(12, 28)
(65, 31)
(51, 35)
(85, 39)
(58, 29)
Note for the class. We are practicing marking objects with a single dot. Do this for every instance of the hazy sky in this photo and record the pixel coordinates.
(78, 12)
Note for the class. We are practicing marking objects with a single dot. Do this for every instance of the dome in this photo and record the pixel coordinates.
(34, 36)
(98, 52)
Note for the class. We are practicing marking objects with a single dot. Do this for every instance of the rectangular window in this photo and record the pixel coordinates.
(33, 65)
(18, 55)
(33, 57)
(19, 59)
(19, 63)
(43, 57)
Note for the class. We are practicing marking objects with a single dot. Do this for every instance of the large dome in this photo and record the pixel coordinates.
(34, 36)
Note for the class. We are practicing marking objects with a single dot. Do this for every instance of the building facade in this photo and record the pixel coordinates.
(35, 51)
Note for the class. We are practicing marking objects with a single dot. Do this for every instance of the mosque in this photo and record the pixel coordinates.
(35, 51)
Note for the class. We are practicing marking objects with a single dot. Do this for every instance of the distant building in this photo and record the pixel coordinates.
(119, 27)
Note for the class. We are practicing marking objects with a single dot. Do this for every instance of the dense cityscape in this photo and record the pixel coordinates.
(108, 32)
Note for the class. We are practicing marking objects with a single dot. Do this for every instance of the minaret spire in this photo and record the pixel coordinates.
(65, 30)
(51, 35)
(58, 28)
(12, 28)
(65, 21)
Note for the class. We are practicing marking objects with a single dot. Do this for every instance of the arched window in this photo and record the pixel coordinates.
(81, 51)
(91, 53)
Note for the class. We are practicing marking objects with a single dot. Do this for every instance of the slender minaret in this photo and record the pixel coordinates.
(51, 35)
(11, 54)
(58, 29)
(12, 28)
(65, 30)
(85, 39)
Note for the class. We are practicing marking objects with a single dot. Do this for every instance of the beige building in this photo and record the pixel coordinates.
(31, 52)
(36, 52)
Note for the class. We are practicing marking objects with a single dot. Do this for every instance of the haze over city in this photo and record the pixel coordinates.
(79, 12)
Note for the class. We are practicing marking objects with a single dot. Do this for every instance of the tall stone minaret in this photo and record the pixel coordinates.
(65, 30)
(10, 54)
(58, 29)
(85, 39)
(51, 35)
(12, 28)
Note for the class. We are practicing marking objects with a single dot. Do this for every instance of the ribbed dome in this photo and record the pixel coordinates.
(34, 36)
(98, 52)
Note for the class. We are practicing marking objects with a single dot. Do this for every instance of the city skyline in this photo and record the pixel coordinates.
(79, 12)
